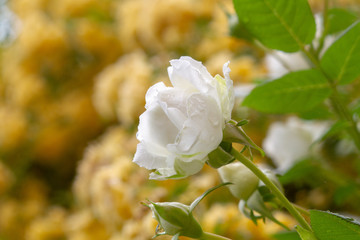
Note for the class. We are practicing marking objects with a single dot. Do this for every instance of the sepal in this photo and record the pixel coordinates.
(234, 133)
(221, 155)
(175, 219)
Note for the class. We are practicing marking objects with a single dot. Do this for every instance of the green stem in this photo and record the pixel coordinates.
(285, 202)
(345, 115)
(325, 27)
(338, 106)
(302, 210)
(212, 236)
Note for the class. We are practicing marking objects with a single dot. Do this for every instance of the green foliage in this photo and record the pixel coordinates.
(344, 192)
(356, 108)
(331, 226)
(341, 60)
(238, 29)
(278, 24)
(305, 234)
(298, 172)
(286, 236)
(289, 26)
(318, 112)
(335, 129)
(338, 20)
(294, 92)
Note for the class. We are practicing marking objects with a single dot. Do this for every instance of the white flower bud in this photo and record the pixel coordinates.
(244, 181)
(176, 218)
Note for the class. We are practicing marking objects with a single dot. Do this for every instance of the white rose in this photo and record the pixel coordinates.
(184, 123)
(289, 142)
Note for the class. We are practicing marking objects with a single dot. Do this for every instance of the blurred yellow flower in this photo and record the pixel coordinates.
(120, 88)
(82, 225)
(13, 127)
(50, 226)
(6, 178)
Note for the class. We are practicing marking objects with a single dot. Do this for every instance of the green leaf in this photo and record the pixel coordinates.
(331, 226)
(238, 29)
(300, 171)
(294, 92)
(339, 19)
(305, 234)
(335, 129)
(341, 60)
(278, 24)
(242, 122)
(343, 193)
(286, 236)
(320, 111)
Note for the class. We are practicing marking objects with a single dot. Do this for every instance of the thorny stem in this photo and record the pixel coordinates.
(273, 188)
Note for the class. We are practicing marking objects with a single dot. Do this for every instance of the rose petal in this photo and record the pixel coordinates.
(191, 75)
(147, 160)
(156, 127)
(230, 92)
(202, 131)
(173, 103)
(152, 93)
(189, 168)
(163, 173)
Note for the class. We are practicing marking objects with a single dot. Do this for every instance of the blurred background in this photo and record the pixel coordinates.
(73, 78)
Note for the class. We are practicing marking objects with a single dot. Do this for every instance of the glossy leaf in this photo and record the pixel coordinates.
(278, 24)
(286, 236)
(338, 20)
(331, 226)
(341, 60)
(294, 92)
(238, 29)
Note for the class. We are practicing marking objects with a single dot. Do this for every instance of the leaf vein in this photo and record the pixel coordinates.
(284, 24)
(347, 59)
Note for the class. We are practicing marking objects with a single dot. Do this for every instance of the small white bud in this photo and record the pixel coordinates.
(244, 181)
